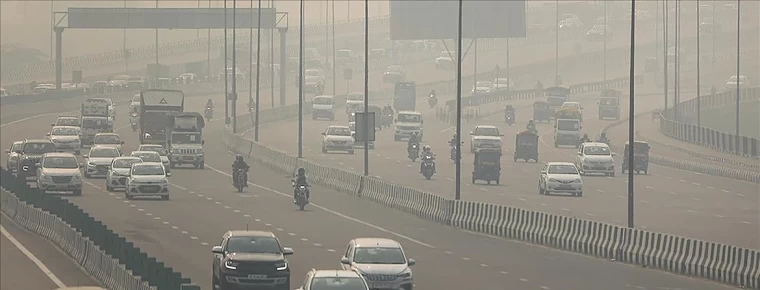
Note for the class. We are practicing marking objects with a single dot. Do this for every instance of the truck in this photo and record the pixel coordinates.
(609, 104)
(185, 139)
(405, 96)
(95, 118)
(156, 109)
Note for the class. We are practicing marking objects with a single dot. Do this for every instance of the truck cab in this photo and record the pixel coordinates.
(567, 132)
(609, 105)
(186, 140)
(408, 122)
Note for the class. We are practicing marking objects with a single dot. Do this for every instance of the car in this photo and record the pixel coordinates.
(162, 152)
(393, 74)
(346, 57)
(382, 262)
(337, 138)
(733, 81)
(502, 84)
(30, 154)
(148, 156)
(408, 123)
(98, 160)
(67, 121)
(570, 23)
(322, 107)
(107, 140)
(600, 32)
(485, 137)
(482, 87)
(315, 72)
(559, 177)
(59, 172)
(313, 85)
(594, 157)
(334, 279)
(111, 105)
(445, 60)
(378, 53)
(118, 172)
(355, 102)
(66, 138)
(13, 154)
(250, 259)
(572, 105)
(147, 179)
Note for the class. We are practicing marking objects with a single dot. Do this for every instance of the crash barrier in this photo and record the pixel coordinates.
(719, 262)
(721, 141)
(108, 58)
(115, 262)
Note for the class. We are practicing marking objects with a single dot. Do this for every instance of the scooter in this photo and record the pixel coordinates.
(453, 154)
(428, 166)
(241, 179)
(133, 121)
(414, 152)
(432, 100)
(208, 113)
(509, 118)
(301, 200)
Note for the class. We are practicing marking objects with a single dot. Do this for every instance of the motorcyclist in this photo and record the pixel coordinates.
(413, 139)
(239, 164)
(531, 126)
(209, 104)
(453, 141)
(585, 138)
(426, 151)
(432, 94)
(603, 138)
(508, 109)
(300, 179)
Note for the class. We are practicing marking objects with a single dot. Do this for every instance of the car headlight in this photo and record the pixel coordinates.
(90, 164)
(405, 275)
(230, 265)
(43, 176)
(282, 266)
(164, 181)
(76, 177)
(553, 180)
(578, 180)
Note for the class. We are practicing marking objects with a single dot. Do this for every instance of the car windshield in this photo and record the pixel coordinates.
(104, 152)
(64, 132)
(367, 255)
(571, 105)
(608, 102)
(147, 169)
(343, 53)
(337, 283)
(394, 68)
(253, 245)
(563, 169)
(60, 162)
(355, 97)
(486, 131)
(336, 131)
(125, 163)
(107, 139)
(483, 84)
(568, 125)
(409, 118)
(323, 101)
(155, 148)
(147, 157)
(94, 123)
(186, 138)
(67, 122)
(38, 148)
(596, 150)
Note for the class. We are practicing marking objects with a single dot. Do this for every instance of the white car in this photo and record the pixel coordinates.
(595, 157)
(560, 177)
(98, 160)
(482, 87)
(147, 179)
(346, 57)
(485, 137)
(354, 102)
(572, 105)
(59, 172)
(502, 84)
(316, 73)
(337, 138)
(382, 262)
(67, 121)
(445, 60)
(13, 154)
(147, 156)
(66, 139)
(107, 140)
(732, 82)
(161, 152)
(118, 172)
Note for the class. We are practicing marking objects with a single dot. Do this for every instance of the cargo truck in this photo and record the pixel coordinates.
(95, 118)
(405, 96)
(156, 114)
(185, 139)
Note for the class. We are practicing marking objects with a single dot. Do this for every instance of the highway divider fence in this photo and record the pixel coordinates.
(112, 260)
(718, 262)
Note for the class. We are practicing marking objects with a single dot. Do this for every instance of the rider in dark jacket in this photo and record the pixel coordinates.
(209, 104)
(603, 138)
(301, 179)
(585, 138)
(413, 139)
(239, 164)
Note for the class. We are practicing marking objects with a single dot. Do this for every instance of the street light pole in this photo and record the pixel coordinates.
(226, 71)
(366, 88)
(234, 66)
(157, 68)
(258, 68)
(458, 191)
(271, 55)
(300, 82)
(699, 99)
(605, 41)
(556, 43)
(738, 51)
(333, 47)
(665, 51)
(632, 97)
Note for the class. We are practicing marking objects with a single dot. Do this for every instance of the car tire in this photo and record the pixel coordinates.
(77, 192)
(164, 197)
(108, 187)
(579, 194)
(202, 165)
(86, 175)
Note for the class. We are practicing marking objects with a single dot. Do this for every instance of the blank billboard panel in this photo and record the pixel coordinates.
(425, 19)
(167, 18)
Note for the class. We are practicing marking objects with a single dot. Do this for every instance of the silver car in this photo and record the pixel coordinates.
(147, 156)
(66, 139)
(382, 262)
(147, 179)
(337, 138)
(98, 160)
(118, 172)
(107, 140)
(59, 172)
(13, 154)
(559, 177)
(161, 152)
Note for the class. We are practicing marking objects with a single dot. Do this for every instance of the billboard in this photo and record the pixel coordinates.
(424, 19)
(168, 18)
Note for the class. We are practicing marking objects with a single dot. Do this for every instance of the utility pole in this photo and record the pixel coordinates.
(258, 68)
(226, 71)
(458, 191)
(366, 88)
(631, 114)
(234, 66)
(333, 47)
(665, 49)
(556, 43)
(738, 52)
(699, 99)
(300, 82)
(158, 69)
(605, 40)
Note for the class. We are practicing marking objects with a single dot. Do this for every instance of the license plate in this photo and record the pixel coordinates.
(257, 277)
(188, 157)
(382, 286)
(564, 188)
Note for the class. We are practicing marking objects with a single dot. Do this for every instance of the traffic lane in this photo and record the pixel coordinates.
(678, 203)
(20, 272)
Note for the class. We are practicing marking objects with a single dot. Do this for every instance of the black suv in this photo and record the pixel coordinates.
(30, 153)
(250, 259)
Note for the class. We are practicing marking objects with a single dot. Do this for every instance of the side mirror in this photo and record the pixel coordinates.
(411, 262)
(17, 151)
(168, 174)
(323, 134)
(543, 172)
(122, 142)
(580, 153)
(7, 151)
(470, 132)
(287, 251)
(345, 261)
(395, 120)
(52, 124)
(614, 154)
(501, 135)
(422, 121)
(217, 250)
(203, 142)
(47, 134)
(84, 156)
(555, 126)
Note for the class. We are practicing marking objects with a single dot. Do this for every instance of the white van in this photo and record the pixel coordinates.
(322, 107)
(567, 132)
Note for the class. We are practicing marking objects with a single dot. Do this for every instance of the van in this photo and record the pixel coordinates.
(322, 107)
(567, 132)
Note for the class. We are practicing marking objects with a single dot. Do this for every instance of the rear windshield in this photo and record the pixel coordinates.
(67, 122)
(125, 163)
(38, 148)
(60, 162)
(104, 152)
(323, 101)
(409, 118)
(568, 126)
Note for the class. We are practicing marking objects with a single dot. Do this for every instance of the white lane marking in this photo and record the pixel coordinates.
(483, 189)
(739, 194)
(694, 183)
(682, 181)
(32, 258)
(649, 187)
(522, 199)
(599, 190)
(718, 216)
(673, 193)
(290, 197)
(746, 222)
(31, 118)
(180, 187)
(726, 191)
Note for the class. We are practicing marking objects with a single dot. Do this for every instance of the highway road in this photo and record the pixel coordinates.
(204, 205)
(19, 271)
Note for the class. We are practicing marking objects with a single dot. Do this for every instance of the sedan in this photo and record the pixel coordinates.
(118, 172)
(559, 177)
(13, 154)
(337, 138)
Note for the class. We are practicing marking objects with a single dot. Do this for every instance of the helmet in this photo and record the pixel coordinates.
(238, 157)
(604, 135)
(585, 136)
(301, 171)
(426, 148)
(455, 135)
(530, 122)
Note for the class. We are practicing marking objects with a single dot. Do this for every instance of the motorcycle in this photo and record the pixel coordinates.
(509, 118)
(414, 152)
(208, 113)
(241, 179)
(133, 121)
(301, 199)
(387, 120)
(453, 154)
(432, 101)
(428, 166)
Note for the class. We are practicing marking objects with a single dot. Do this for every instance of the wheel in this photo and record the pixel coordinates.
(108, 187)
(301, 206)
(396, 138)
(164, 197)
(351, 152)
(78, 192)
(556, 144)
(202, 165)
(488, 181)
(473, 180)
(85, 175)
(428, 177)
(324, 150)
(622, 170)
(172, 165)
(497, 181)
(612, 174)
(127, 196)
(646, 171)
(540, 190)
(579, 194)
(515, 159)
(313, 117)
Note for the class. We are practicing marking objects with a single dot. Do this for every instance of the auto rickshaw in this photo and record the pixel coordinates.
(542, 111)
(569, 113)
(557, 95)
(487, 165)
(526, 146)
(640, 157)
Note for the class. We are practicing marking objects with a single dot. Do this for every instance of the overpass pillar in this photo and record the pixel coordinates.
(283, 62)
(58, 57)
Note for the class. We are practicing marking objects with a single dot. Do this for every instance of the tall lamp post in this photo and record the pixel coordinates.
(366, 87)
(738, 51)
(300, 81)
(234, 66)
(699, 99)
(632, 97)
(258, 67)
(458, 191)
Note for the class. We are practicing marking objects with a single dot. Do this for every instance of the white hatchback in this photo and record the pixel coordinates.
(559, 177)
(147, 179)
